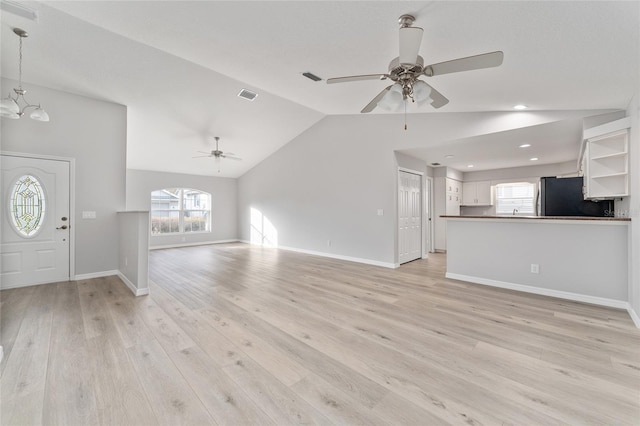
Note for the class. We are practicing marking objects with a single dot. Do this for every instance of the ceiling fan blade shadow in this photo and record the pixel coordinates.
(357, 78)
(437, 99)
(410, 40)
(374, 102)
(485, 60)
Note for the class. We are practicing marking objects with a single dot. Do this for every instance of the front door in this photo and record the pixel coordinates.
(35, 243)
(409, 216)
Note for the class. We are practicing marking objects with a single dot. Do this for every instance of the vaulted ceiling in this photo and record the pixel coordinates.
(178, 65)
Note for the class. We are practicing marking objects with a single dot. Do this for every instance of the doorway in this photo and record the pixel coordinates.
(409, 216)
(36, 244)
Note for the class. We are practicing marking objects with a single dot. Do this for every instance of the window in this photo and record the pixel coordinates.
(27, 206)
(180, 210)
(516, 198)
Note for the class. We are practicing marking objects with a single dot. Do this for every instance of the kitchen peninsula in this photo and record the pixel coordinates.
(578, 258)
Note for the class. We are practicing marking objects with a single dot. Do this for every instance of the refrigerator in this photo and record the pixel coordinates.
(564, 197)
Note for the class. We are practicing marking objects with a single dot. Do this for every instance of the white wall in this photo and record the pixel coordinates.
(94, 133)
(632, 207)
(577, 257)
(133, 265)
(329, 182)
(224, 225)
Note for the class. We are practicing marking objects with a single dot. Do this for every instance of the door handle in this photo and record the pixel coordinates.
(62, 227)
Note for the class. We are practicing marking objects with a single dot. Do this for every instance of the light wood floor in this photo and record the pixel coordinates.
(234, 334)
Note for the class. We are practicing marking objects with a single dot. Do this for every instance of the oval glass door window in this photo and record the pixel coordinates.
(27, 206)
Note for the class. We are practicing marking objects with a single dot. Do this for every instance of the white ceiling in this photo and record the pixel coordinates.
(178, 65)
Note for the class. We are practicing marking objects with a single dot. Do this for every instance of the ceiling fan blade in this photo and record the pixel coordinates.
(410, 39)
(204, 152)
(437, 99)
(201, 156)
(230, 157)
(357, 78)
(485, 60)
(374, 102)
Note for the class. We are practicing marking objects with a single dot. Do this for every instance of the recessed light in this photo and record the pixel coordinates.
(525, 145)
(520, 106)
(534, 159)
(470, 166)
(448, 156)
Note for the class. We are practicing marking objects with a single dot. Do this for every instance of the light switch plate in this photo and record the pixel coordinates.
(88, 215)
(380, 212)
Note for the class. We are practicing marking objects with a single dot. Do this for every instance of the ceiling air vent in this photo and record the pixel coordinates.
(247, 94)
(311, 76)
(435, 164)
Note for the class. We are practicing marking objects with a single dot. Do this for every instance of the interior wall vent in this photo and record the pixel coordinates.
(247, 94)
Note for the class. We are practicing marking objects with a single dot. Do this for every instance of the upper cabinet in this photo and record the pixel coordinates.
(477, 194)
(606, 160)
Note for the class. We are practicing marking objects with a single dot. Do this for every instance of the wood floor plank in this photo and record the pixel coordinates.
(23, 383)
(238, 334)
(70, 390)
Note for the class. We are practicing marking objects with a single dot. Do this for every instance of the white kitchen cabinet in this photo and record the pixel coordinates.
(606, 159)
(448, 198)
(477, 194)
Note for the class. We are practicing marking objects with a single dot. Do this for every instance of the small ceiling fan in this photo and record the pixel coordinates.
(406, 69)
(218, 154)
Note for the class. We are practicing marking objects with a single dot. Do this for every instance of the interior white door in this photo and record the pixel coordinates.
(35, 220)
(409, 216)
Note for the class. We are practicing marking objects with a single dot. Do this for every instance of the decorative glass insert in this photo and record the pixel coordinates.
(27, 205)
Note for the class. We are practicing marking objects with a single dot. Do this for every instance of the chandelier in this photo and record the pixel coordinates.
(10, 106)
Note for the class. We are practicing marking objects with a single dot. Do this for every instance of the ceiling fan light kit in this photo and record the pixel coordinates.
(405, 71)
(10, 106)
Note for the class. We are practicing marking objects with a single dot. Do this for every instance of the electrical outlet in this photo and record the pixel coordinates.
(535, 268)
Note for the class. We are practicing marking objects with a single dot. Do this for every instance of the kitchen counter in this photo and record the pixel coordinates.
(582, 218)
(577, 258)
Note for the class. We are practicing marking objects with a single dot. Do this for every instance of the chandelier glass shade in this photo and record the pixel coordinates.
(16, 106)
(395, 98)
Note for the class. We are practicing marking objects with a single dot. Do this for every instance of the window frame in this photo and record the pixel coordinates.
(533, 198)
(181, 193)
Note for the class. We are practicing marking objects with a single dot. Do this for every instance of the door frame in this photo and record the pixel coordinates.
(423, 240)
(72, 200)
(428, 216)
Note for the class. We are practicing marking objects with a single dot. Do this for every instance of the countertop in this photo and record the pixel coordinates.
(583, 218)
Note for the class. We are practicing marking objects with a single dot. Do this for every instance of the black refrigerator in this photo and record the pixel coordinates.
(563, 197)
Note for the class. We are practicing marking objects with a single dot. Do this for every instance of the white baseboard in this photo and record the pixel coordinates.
(340, 257)
(203, 243)
(634, 316)
(612, 303)
(92, 275)
(136, 291)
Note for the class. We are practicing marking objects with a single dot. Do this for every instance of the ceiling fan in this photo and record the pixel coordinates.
(218, 154)
(406, 69)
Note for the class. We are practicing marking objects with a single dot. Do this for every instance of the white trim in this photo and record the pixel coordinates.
(634, 316)
(340, 257)
(7, 287)
(72, 200)
(136, 291)
(530, 219)
(92, 275)
(413, 172)
(612, 303)
(1, 354)
(203, 243)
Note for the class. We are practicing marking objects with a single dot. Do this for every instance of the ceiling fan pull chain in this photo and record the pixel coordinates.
(405, 115)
